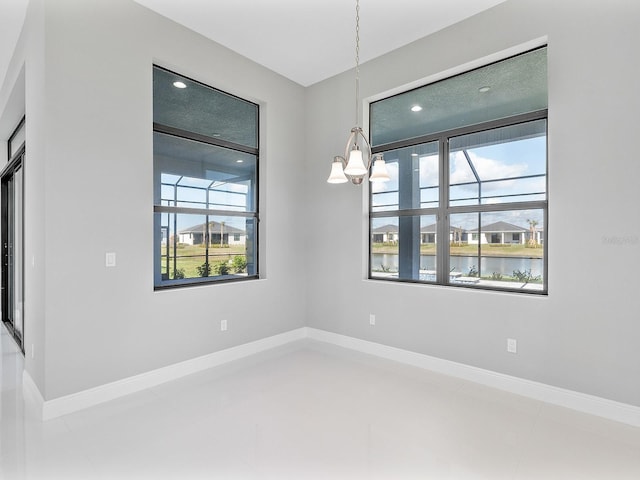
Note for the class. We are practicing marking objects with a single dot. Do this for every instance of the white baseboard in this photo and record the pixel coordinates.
(94, 396)
(620, 412)
(590, 404)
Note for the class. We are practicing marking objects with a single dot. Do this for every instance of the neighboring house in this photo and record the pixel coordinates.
(499, 232)
(428, 234)
(195, 235)
(390, 233)
(385, 234)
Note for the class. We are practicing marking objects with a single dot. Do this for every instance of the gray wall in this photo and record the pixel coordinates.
(27, 73)
(89, 181)
(584, 335)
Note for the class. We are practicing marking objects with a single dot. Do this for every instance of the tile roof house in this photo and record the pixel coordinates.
(428, 234)
(499, 232)
(385, 234)
(195, 235)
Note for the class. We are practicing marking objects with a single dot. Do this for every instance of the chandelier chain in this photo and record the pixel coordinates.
(357, 61)
(357, 162)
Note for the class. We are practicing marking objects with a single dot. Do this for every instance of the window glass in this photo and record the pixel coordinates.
(415, 169)
(384, 247)
(17, 139)
(500, 165)
(205, 186)
(201, 109)
(482, 136)
(503, 89)
(404, 248)
(205, 246)
(503, 249)
(198, 175)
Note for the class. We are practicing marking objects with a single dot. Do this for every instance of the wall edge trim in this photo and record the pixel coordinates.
(94, 396)
(32, 394)
(581, 402)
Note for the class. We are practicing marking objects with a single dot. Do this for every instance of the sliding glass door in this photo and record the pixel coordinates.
(12, 236)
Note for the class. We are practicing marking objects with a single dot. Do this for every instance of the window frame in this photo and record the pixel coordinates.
(443, 211)
(164, 284)
(19, 131)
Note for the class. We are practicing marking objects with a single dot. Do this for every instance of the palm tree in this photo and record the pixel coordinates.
(456, 236)
(533, 240)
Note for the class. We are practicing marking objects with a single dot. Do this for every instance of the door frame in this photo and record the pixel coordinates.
(16, 163)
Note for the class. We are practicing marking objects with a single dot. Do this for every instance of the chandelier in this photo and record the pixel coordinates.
(357, 158)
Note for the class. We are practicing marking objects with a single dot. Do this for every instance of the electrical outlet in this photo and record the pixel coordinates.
(110, 259)
(223, 325)
(512, 345)
(372, 319)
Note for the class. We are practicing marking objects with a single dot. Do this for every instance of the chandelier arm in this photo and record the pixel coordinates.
(350, 141)
(370, 154)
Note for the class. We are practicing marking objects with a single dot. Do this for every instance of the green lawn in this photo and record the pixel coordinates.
(489, 250)
(189, 257)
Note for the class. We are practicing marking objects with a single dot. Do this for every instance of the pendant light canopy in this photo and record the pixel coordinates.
(357, 158)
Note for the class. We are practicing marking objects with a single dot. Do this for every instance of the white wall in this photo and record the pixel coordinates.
(26, 72)
(89, 170)
(584, 335)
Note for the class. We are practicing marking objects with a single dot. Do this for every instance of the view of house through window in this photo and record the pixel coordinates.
(205, 183)
(467, 201)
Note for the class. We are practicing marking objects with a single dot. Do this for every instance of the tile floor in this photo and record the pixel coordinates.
(311, 411)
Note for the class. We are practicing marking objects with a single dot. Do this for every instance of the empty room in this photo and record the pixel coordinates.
(327, 239)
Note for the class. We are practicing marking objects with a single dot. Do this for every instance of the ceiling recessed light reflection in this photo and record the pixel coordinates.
(416, 108)
(179, 84)
(484, 89)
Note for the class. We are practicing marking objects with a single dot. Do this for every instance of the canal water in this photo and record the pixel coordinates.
(502, 265)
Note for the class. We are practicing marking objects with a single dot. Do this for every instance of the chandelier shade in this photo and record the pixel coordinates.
(355, 164)
(379, 171)
(337, 171)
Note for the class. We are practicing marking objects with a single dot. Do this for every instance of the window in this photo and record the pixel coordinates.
(467, 200)
(16, 141)
(12, 180)
(205, 154)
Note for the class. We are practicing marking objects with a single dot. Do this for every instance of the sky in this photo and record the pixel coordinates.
(497, 166)
(503, 162)
(227, 196)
